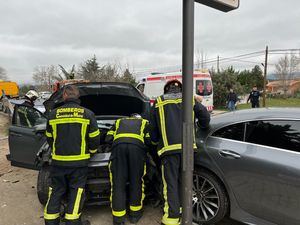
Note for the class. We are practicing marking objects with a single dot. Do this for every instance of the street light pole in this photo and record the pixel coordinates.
(187, 103)
(265, 76)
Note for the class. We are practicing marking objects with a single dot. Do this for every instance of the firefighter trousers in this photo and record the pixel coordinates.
(66, 183)
(171, 176)
(127, 165)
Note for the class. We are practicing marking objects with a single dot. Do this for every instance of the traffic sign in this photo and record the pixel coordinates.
(223, 5)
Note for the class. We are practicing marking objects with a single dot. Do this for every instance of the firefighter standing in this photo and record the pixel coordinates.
(130, 137)
(73, 134)
(167, 133)
(30, 97)
(27, 115)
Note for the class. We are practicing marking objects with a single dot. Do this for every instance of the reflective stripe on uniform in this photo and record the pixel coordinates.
(71, 157)
(129, 135)
(48, 134)
(75, 214)
(111, 132)
(162, 122)
(80, 156)
(171, 148)
(119, 213)
(166, 220)
(50, 216)
(94, 134)
(93, 151)
(165, 102)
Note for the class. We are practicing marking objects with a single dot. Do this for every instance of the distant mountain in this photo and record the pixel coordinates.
(272, 76)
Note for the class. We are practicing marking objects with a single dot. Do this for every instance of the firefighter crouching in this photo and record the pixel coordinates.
(166, 120)
(73, 135)
(128, 164)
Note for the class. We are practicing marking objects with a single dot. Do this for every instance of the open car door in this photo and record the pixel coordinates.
(26, 136)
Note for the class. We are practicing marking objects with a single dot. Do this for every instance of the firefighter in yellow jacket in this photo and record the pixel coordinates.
(73, 135)
(166, 122)
(129, 137)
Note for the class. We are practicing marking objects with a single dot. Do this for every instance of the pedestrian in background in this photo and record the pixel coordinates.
(254, 97)
(231, 100)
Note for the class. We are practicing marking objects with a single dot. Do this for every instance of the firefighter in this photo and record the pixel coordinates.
(129, 137)
(73, 134)
(166, 132)
(26, 114)
(30, 98)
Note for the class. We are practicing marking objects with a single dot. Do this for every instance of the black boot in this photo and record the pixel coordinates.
(135, 219)
(117, 223)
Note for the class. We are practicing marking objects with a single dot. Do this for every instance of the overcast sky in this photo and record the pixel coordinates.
(141, 33)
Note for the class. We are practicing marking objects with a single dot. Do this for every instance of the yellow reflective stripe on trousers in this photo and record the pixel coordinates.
(94, 134)
(49, 216)
(70, 157)
(75, 214)
(48, 134)
(54, 129)
(129, 135)
(119, 213)
(166, 220)
(162, 122)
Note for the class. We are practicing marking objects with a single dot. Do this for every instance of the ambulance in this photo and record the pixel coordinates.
(153, 85)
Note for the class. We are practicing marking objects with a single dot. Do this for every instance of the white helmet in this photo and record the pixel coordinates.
(136, 115)
(32, 95)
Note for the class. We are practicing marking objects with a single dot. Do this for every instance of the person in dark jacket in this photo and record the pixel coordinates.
(73, 134)
(231, 100)
(166, 132)
(254, 97)
(129, 137)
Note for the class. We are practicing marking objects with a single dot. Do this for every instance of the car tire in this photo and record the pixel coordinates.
(210, 201)
(43, 184)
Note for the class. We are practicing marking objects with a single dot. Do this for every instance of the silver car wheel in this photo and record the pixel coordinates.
(206, 201)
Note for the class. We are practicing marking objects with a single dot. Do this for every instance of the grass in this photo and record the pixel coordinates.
(274, 102)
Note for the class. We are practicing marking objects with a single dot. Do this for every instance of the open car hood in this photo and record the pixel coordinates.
(106, 98)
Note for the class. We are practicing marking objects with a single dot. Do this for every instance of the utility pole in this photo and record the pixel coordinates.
(265, 76)
(187, 105)
(218, 64)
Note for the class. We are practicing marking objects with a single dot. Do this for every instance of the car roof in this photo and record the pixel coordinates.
(224, 119)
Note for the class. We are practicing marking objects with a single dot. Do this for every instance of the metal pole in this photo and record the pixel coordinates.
(218, 64)
(265, 76)
(187, 119)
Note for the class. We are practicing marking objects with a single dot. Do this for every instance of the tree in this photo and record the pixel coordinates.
(248, 79)
(128, 77)
(222, 82)
(3, 74)
(45, 76)
(90, 69)
(286, 68)
(66, 75)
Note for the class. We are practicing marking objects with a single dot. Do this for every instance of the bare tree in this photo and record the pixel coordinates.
(286, 68)
(3, 74)
(65, 74)
(45, 76)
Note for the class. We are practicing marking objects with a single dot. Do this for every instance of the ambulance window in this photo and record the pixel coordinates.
(141, 87)
(203, 87)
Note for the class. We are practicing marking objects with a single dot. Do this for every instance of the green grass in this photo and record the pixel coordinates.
(272, 102)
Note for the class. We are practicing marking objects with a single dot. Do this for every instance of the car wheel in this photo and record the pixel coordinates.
(210, 201)
(43, 184)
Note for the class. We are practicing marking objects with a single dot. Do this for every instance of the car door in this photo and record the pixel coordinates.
(26, 136)
(260, 162)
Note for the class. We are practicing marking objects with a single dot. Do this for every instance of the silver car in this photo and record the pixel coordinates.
(248, 166)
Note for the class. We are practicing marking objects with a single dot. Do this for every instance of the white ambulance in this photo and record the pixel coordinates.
(153, 85)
